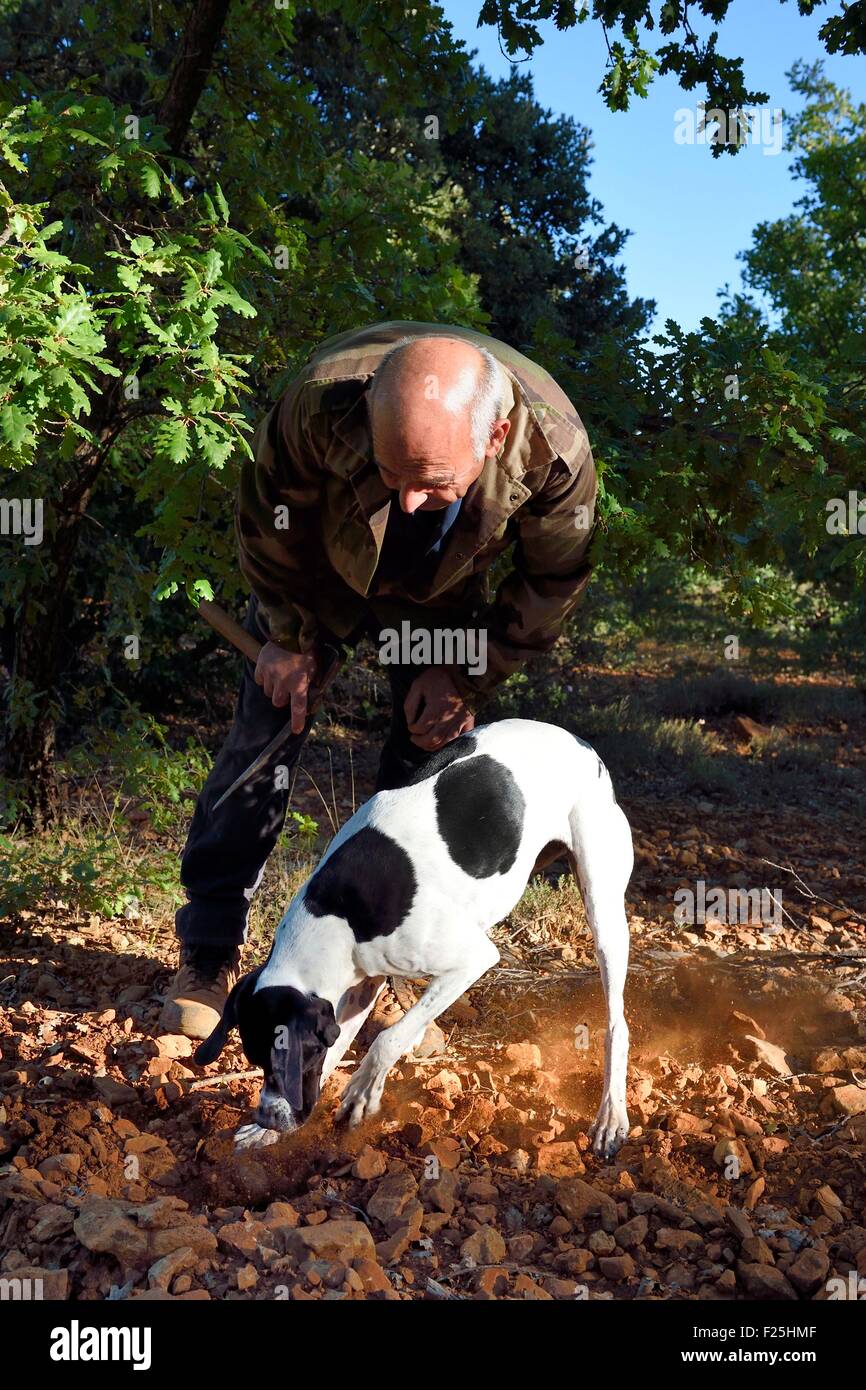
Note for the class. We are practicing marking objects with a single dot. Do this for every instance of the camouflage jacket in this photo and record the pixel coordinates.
(312, 509)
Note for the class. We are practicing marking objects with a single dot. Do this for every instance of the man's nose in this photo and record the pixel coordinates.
(411, 499)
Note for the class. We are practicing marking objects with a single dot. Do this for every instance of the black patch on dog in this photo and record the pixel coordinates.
(601, 767)
(458, 748)
(369, 881)
(479, 811)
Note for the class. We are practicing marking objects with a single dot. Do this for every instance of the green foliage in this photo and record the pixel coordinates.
(94, 864)
(305, 827)
(152, 305)
(142, 767)
(118, 779)
(723, 448)
(693, 57)
(85, 870)
(809, 269)
(524, 215)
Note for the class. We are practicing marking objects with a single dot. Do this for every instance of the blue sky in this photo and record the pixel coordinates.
(689, 214)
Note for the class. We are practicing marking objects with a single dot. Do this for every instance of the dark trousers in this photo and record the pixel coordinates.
(226, 850)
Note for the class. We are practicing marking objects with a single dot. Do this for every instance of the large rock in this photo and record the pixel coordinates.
(432, 1044)
(577, 1200)
(632, 1233)
(160, 1213)
(52, 1221)
(391, 1197)
(485, 1246)
(847, 1100)
(743, 1026)
(733, 1149)
(809, 1271)
(373, 1277)
(765, 1282)
(369, 1164)
(561, 1159)
(115, 1092)
(519, 1058)
(174, 1045)
(332, 1240)
(767, 1054)
(162, 1271)
(441, 1194)
(103, 1225)
(682, 1242)
(281, 1219)
(248, 1237)
(198, 1238)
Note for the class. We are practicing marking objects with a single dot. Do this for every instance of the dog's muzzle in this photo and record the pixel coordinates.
(274, 1112)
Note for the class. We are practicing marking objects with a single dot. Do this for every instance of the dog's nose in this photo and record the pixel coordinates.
(275, 1113)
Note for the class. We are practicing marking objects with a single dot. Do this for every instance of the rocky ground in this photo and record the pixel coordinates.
(744, 1176)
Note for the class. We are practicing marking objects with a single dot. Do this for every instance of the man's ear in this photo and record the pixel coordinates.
(287, 1064)
(210, 1049)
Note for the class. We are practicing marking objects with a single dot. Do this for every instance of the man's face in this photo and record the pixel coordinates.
(429, 489)
(429, 473)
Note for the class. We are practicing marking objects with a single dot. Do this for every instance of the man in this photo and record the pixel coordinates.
(393, 471)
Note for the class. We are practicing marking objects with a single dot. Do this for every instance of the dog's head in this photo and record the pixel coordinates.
(285, 1032)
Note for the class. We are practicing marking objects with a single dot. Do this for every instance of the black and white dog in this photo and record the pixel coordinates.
(412, 885)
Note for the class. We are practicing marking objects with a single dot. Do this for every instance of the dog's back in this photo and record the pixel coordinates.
(417, 867)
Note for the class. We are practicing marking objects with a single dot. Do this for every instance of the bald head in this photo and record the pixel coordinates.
(434, 407)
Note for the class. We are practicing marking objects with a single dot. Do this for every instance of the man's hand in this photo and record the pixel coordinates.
(435, 712)
(286, 676)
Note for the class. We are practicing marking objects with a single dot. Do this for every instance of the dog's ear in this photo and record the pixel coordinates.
(287, 1063)
(327, 1028)
(210, 1049)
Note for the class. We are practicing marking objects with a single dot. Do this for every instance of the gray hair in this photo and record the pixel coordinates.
(484, 404)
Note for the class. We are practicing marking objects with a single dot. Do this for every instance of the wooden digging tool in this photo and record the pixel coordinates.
(231, 630)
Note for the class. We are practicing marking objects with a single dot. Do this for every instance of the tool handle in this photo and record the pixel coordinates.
(223, 623)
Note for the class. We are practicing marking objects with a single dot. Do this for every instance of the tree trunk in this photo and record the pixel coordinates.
(187, 79)
(30, 747)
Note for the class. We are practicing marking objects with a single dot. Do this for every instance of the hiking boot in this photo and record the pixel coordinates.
(198, 992)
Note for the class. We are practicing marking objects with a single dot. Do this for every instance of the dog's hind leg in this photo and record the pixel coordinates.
(362, 1097)
(604, 857)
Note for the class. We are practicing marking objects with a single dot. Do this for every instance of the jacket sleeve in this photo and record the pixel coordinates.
(277, 520)
(550, 572)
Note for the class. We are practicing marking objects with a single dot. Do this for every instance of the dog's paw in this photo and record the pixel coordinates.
(255, 1137)
(361, 1098)
(610, 1129)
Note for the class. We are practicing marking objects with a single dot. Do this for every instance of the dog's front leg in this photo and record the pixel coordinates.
(353, 1011)
(362, 1096)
